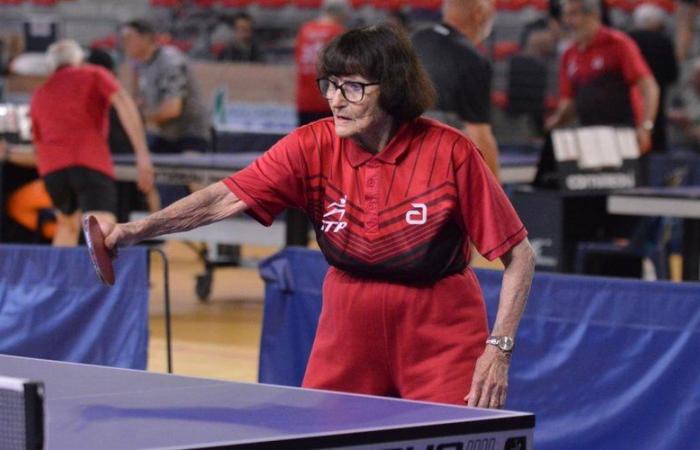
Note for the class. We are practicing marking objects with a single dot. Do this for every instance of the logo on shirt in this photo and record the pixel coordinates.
(335, 210)
(417, 216)
(598, 63)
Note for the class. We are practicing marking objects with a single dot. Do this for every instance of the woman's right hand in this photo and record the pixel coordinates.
(117, 235)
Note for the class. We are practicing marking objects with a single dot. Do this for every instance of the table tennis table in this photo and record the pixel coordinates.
(679, 201)
(94, 407)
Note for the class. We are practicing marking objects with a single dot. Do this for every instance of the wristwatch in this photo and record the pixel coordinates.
(504, 343)
(647, 125)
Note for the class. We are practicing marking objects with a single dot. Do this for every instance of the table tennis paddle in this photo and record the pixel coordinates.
(99, 255)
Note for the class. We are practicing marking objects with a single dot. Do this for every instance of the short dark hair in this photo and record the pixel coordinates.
(242, 15)
(102, 58)
(383, 54)
(141, 26)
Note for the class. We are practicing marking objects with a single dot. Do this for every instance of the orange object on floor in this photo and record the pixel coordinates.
(25, 203)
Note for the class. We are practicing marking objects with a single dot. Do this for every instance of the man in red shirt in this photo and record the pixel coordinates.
(601, 74)
(396, 200)
(312, 37)
(69, 115)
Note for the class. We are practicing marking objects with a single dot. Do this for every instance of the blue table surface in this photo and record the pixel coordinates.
(108, 408)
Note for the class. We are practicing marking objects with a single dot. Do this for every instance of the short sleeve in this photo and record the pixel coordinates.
(490, 220)
(273, 182)
(633, 64)
(172, 80)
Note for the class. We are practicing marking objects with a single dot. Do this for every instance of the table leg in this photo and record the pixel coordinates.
(691, 249)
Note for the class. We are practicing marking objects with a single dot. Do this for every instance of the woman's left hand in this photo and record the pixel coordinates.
(490, 382)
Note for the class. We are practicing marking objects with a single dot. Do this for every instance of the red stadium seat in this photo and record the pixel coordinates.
(216, 48)
(182, 45)
(515, 5)
(272, 3)
(391, 5)
(235, 3)
(205, 3)
(166, 3)
(44, 2)
(505, 49)
(307, 3)
(359, 3)
(108, 42)
(499, 99)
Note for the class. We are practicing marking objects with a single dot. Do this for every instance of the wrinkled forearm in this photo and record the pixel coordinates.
(517, 278)
(208, 205)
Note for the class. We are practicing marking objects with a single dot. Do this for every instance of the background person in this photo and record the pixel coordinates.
(69, 118)
(460, 74)
(311, 38)
(168, 97)
(243, 47)
(598, 74)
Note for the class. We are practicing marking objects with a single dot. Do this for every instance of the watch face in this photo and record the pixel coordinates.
(505, 343)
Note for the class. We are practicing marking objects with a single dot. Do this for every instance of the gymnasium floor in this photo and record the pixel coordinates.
(216, 339)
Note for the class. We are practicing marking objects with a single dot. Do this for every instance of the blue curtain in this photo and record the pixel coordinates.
(53, 306)
(603, 363)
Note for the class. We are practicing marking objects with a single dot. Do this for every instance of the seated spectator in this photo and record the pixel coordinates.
(243, 47)
(527, 75)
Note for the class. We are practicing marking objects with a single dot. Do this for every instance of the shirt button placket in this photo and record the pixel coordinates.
(372, 197)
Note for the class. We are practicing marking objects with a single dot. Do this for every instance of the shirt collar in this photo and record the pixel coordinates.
(397, 146)
(598, 39)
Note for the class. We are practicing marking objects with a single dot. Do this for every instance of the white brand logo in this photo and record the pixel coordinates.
(335, 208)
(417, 216)
(598, 63)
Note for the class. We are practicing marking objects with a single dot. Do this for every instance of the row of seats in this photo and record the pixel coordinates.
(33, 2)
(502, 5)
(379, 4)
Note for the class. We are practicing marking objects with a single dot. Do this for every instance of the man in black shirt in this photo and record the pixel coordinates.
(462, 76)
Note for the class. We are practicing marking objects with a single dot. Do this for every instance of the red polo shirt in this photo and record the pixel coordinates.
(600, 78)
(312, 37)
(406, 214)
(70, 119)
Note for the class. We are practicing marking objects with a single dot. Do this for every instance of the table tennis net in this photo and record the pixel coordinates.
(21, 414)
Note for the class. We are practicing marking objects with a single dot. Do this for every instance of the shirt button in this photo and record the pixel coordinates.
(370, 182)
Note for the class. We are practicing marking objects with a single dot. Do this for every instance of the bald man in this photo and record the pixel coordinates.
(69, 125)
(461, 75)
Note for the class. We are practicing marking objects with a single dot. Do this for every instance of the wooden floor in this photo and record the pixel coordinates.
(214, 339)
(219, 338)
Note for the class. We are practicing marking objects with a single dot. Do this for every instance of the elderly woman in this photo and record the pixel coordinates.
(395, 200)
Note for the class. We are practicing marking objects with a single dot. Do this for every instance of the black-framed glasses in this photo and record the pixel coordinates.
(353, 91)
